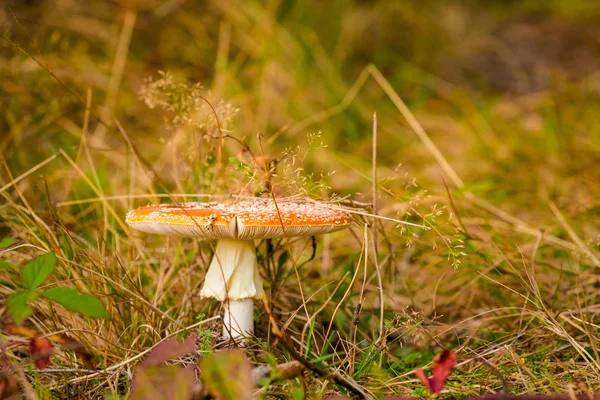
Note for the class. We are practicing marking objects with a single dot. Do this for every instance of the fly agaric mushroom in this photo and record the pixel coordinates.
(233, 276)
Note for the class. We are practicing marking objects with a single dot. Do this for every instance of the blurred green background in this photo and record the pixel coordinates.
(493, 82)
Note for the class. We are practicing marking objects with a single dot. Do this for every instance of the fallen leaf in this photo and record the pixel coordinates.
(40, 349)
(164, 382)
(169, 349)
(66, 342)
(227, 375)
(20, 330)
(443, 365)
(154, 380)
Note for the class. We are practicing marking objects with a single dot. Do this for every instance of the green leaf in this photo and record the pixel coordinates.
(4, 243)
(37, 270)
(70, 299)
(4, 265)
(17, 304)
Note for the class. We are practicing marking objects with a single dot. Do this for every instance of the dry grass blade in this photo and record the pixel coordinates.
(374, 228)
(117, 217)
(28, 172)
(118, 68)
(582, 247)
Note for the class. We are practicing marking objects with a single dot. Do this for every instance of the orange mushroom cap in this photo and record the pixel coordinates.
(242, 220)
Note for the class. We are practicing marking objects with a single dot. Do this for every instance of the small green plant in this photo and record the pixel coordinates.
(34, 274)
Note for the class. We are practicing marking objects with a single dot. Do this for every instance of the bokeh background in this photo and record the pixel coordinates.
(490, 81)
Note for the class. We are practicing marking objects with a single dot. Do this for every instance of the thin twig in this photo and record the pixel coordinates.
(70, 371)
(285, 371)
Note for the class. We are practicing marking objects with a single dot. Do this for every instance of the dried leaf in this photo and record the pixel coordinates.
(169, 349)
(443, 364)
(227, 375)
(79, 349)
(155, 381)
(164, 382)
(40, 349)
(20, 330)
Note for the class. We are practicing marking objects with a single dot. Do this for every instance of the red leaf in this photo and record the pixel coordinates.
(40, 349)
(443, 364)
(169, 349)
(39, 345)
(423, 378)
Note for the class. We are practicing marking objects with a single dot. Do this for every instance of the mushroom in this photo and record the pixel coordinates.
(233, 277)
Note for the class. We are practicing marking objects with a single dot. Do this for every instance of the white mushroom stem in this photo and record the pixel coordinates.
(238, 318)
(233, 278)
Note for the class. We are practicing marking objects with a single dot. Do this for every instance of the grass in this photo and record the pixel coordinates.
(486, 136)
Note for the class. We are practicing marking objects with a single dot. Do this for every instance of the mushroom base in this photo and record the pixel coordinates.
(238, 319)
